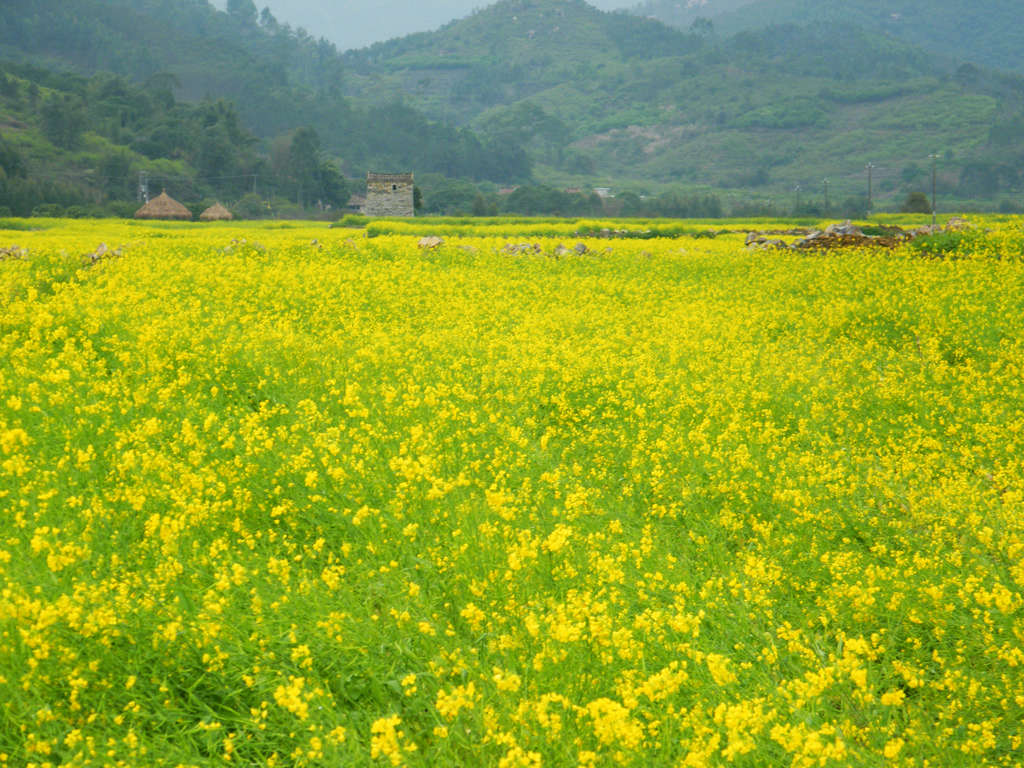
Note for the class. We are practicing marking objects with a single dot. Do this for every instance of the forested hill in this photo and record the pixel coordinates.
(81, 146)
(279, 78)
(683, 14)
(609, 97)
(552, 90)
(983, 32)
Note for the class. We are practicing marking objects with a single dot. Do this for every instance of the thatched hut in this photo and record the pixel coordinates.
(216, 212)
(164, 207)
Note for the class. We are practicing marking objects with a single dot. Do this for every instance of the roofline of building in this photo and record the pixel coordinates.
(390, 178)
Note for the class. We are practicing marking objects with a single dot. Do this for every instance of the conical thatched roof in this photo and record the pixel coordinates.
(216, 212)
(164, 207)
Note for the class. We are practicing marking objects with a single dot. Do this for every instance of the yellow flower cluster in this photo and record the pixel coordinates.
(273, 494)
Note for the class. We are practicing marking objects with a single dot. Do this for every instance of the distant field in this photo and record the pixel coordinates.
(278, 494)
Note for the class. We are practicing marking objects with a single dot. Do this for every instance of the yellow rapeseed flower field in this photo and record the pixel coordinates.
(283, 495)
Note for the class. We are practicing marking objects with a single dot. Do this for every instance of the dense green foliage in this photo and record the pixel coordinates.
(985, 32)
(550, 95)
(278, 78)
(763, 110)
(82, 144)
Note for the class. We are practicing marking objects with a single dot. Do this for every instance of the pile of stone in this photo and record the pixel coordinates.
(102, 253)
(619, 234)
(580, 249)
(241, 244)
(846, 235)
(518, 248)
(14, 253)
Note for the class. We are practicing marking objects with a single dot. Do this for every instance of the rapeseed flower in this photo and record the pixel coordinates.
(668, 502)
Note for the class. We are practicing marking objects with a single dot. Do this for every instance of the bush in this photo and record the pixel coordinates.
(944, 244)
(752, 209)
(48, 211)
(916, 202)
(252, 206)
(354, 221)
(115, 209)
(855, 207)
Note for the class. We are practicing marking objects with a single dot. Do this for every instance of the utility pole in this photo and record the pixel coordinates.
(826, 197)
(143, 187)
(870, 168)
(934, 159)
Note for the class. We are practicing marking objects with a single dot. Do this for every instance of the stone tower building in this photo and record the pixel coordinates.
(389, 194)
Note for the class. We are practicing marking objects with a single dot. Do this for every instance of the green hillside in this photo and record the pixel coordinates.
(80, 146)
(553, 91)
(683, 13)
(609, 98)
(279, 79)
(985, 32)
(512, 50)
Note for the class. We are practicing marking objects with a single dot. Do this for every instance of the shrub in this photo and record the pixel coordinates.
(916, 202)
(354, 220)
(944, 244)
(116, 209)
(48, 211)
(252, 206)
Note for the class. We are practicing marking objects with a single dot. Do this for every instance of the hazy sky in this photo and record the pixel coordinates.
(358, 23)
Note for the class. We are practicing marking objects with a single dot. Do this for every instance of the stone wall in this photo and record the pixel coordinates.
(389, 194)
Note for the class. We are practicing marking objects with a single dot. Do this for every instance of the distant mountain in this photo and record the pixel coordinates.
(683, 13)
(614, 97)
(559, 91)
(364, 22)
(280, 79)
(509, 51)
(984, 32)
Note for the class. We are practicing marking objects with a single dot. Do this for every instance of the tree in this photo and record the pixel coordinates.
(979, 179)
(580, 164)
(243, 10)
(63, 120)
(267, 19)
(916, 202)
(333, 188)
(115, 170)
(216, 155)
(161, 88)
(11, 162)
(630, 204)
(8, 86)
(968, 75)
(912, 175)
(525, 123)
(538, 199)
(450, 197)
(856, 207)
(484, 207)
(702, 27)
